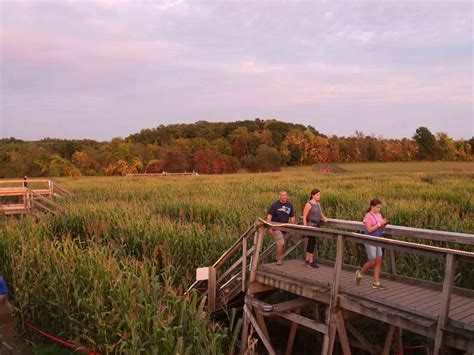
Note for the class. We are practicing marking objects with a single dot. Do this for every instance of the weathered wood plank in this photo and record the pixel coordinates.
(260, 333)
(450, 268)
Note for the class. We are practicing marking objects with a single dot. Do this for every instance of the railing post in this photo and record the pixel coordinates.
(244, 264)
(211, 289)
(330, 336)
(256, 253)
(393, 264)
(449, 269)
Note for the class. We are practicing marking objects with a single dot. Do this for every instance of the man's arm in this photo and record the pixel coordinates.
(292, 220)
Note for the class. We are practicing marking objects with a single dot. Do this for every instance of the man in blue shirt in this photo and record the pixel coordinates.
(280, 211)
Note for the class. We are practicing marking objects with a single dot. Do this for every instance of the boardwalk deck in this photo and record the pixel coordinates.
(422, 302)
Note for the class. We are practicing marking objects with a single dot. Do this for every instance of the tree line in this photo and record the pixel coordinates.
(219, 147)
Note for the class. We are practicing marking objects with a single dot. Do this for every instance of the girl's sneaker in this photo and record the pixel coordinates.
(378, 285)
(313, 265)
(358, 277)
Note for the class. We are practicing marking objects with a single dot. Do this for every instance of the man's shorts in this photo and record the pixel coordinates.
(277, 236)
(373, 251)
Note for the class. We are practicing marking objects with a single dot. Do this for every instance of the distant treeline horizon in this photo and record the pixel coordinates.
(220, 147)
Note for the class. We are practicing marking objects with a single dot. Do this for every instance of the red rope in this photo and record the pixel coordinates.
(60, 341)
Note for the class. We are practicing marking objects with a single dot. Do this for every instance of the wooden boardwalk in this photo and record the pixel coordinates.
(30, 196)
(414, 300)
(441, 312)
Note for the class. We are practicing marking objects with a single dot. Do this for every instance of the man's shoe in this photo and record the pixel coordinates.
(358, 277)
(279, 262)
(313, 265)
(378, 285)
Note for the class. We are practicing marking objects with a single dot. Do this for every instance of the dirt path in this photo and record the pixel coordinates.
(7, 332)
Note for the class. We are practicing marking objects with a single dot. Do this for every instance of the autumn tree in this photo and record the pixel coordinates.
(427, 147)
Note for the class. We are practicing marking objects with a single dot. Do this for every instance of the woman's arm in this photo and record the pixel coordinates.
(306, 210)
(323, 217)
(371, 228)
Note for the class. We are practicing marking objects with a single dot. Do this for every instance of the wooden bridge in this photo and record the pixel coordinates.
(326, 299)
(30, 196)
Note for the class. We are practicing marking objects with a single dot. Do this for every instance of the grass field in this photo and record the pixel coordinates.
(110, 273)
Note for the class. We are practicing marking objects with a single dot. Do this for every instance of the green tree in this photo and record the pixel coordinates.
(427, 146)
(267, 159)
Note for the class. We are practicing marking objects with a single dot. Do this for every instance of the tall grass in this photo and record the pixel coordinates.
(110, 273)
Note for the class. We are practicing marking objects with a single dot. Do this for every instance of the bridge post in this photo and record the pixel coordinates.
(449, 269)
(258, 243)
(244, 264)
(330, 336)
(256, 253)
(211, 290)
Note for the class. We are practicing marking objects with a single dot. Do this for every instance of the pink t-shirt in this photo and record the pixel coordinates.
(369, 217)
(372, 219)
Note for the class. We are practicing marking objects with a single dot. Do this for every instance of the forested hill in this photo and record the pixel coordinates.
(219, 147)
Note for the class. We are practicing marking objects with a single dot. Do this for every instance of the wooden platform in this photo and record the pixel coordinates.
(419, 303)
(441, 312)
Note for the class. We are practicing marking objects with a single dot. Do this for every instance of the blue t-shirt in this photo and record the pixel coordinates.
(281, 212)
(3, 287)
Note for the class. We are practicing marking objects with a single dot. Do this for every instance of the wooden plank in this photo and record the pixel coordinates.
(460, 311)
(388, 340)
(260, 333)
(413, 295)
(233, 267)
(256, 254)
(234, 248)
(364, 342)
(402, 231)
(328, 344)
(363, 238)
(303, 321)
(393, 265)
(244, 334)
(410, 295)
(244, 264)
(291, 338)
(211, 289)
(292, 304)
(257, 287)
(341, 330)
(261, 323)
(450, 268)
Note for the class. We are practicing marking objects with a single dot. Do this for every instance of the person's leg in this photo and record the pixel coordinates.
(279, 251)
(280, 240)
(371, 255)
(310, 249)
(377, 267)
(367, 266)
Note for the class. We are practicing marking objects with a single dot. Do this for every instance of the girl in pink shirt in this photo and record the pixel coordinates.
(373, 224)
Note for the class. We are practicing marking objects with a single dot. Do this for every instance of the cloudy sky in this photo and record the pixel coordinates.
(101, 69)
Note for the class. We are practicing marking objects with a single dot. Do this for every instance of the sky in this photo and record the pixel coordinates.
(109, 68)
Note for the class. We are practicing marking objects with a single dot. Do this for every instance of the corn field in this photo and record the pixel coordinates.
(111, 272)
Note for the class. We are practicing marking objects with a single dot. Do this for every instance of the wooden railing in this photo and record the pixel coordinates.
(242, 272)
(35, 196)
(43, 187)
(44, 204)
(450, 256)
(40, 186)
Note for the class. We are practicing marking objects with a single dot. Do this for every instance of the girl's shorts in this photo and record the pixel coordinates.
(373, 251)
